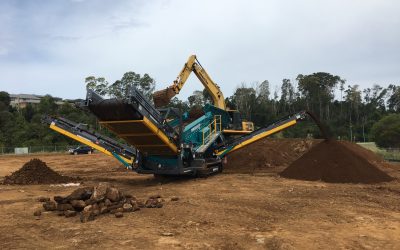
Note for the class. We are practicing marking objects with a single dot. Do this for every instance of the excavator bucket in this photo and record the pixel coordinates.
(161, 98)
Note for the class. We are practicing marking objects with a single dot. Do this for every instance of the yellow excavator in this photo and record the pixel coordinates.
(163, 97)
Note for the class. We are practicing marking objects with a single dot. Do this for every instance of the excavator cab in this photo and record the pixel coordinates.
(247, 126)
(238, 125)
(236, 119)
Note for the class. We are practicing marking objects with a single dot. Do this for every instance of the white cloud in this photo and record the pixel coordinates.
(235, 41)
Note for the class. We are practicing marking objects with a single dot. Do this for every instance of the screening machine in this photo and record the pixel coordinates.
(167, 141)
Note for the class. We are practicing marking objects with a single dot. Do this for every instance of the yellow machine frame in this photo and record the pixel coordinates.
(151, 130)
(86, 142)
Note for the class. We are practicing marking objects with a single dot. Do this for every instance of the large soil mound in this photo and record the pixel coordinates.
(36, 171)
(267, 154)
(337, 162)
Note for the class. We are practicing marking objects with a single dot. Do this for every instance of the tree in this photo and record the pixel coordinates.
(146, 85)
(99, 85)
(176, 103)
(6, 128)
(386, 132)
(196, 99)
(245, 99)
(207, 97)
(263, 91)
(341, 88)
(394, 99)
(90, 82)
(287, 94)
(28, 112)
(353, 99)
(47, 105)
(318, 89)
(120, 88)
(5, 98)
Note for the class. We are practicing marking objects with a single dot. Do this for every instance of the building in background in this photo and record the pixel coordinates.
(19, 101)
(22, 100)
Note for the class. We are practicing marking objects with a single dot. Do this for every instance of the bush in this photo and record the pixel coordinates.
(386, 132)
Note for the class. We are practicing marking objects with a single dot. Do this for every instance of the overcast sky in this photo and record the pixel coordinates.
(49, 47)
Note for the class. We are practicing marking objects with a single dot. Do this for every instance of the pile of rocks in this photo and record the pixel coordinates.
(90, 202)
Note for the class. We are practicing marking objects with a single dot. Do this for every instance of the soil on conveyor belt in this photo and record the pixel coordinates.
(36, 171)
(267, 155)
(338, 162)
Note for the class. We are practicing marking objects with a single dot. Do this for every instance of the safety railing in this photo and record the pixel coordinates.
(214, 127)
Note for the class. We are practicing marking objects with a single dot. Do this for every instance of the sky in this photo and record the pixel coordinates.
(50, 46)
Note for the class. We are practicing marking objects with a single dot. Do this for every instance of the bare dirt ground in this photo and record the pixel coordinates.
(227, 211)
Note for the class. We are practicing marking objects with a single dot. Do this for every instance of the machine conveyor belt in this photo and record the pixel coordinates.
(260, 134)
(82, 134)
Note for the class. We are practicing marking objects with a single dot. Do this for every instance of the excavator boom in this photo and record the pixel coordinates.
(163, 97)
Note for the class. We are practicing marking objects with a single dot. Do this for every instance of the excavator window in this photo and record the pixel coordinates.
(236, 119)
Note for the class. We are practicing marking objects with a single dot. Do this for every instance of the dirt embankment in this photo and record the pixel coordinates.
(338, 162)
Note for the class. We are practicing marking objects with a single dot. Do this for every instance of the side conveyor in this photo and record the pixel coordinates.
(260, 134)
(136, 121)
(104, 144)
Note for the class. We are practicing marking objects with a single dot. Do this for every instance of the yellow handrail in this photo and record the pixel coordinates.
(214, 127)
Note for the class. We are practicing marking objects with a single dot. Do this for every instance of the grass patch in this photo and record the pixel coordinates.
(387, 154)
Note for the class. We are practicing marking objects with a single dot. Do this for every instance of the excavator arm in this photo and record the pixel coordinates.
(163, 97)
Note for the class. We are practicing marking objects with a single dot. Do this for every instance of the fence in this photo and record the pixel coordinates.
(38, 149)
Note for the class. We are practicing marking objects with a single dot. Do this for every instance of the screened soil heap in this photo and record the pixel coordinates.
(36, 171)
(267, 154)
(337, 162)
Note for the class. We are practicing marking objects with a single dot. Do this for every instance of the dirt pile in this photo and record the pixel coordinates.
(337, 162)
(91, 202)
(36, 171)
(266, 154)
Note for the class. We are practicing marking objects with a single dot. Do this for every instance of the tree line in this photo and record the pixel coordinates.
(351, 113)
